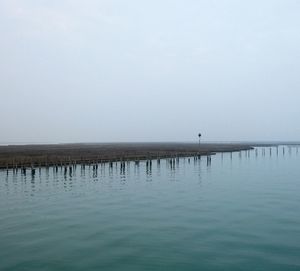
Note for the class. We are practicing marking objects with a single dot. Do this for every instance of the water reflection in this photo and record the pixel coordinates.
(122, 171)
(31, 181)
(158, 167)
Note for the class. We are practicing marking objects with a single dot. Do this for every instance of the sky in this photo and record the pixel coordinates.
(159, 70)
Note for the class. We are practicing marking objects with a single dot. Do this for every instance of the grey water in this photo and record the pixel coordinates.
(239, 212)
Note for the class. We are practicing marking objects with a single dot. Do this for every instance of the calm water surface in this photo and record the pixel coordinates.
(239, 213)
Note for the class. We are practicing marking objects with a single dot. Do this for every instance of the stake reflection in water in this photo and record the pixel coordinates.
(68, 173)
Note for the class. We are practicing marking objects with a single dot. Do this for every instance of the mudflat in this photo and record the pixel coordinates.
(56, 154)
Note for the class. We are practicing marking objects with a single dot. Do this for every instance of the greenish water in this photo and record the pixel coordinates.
(239, 213)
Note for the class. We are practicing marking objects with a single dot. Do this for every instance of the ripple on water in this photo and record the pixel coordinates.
(236, 214)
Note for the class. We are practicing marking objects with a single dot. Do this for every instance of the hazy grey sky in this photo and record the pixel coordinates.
(108, 70)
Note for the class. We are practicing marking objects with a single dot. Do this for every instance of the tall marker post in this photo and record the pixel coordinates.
(199, 135)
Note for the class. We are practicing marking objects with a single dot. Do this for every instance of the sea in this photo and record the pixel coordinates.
(230, 211)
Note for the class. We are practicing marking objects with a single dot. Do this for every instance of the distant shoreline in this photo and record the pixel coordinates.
(41, 155)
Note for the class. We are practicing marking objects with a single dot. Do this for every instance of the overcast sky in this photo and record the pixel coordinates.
(159, 70)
